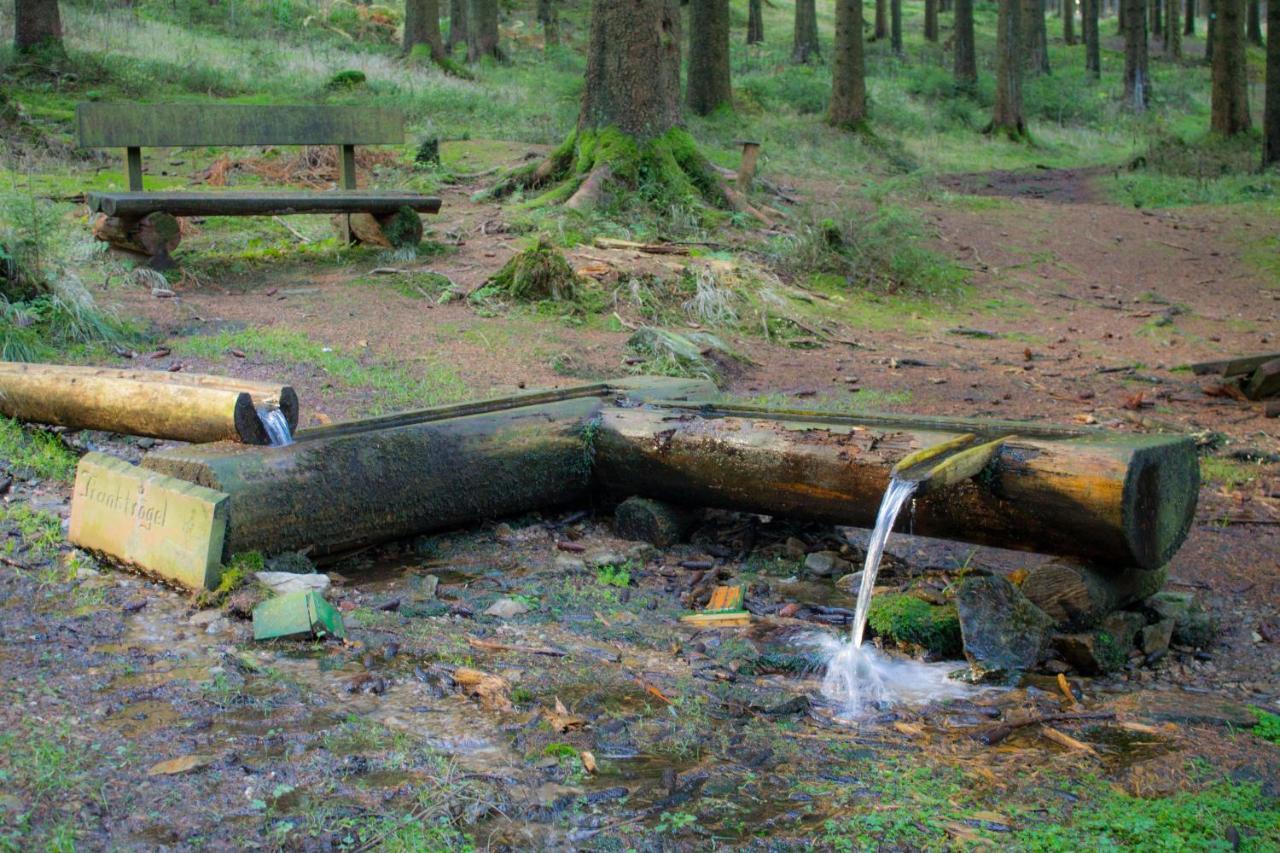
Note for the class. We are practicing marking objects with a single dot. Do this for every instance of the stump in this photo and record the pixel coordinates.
(398, 230)
(155, 235)
(656, 522)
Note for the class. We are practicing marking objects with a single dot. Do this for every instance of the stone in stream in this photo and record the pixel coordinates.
(1154, 639)
(1192, 624)
(506, 608)
(1091, 652)
(1003, 632)
(824, 564)
(283, 583)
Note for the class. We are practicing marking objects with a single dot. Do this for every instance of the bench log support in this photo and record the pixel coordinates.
(133, 157)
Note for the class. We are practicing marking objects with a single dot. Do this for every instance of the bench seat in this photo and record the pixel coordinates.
(136, 205)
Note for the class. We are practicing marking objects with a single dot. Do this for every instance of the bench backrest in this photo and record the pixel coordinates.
(173, 125)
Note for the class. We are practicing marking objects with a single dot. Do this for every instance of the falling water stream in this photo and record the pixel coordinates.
(277, 427)
(860, 679)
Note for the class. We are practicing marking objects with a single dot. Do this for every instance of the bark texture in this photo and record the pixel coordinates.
(1210, 38)
(422, 26)
(848, 108)
(36, 23)
(482, 30)
(1137, 80)
(1255, 22)
(1035, 38)
(882, 19)
(457, 24)
(1173, 32)
(549, 17)
(709, 85)
(1189, 12)
(1092, 47)
(1271, 115)
(806, 34)
(633, 68)
(931, 20)
(966, 57)
(895, 26)
(1069, 22)
(755, 21)
(1006, 116)
(1230, 74)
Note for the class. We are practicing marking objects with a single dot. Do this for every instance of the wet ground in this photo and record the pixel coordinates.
(133, 717)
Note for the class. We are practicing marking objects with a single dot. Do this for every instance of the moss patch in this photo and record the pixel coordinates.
(539, 272)
(907, 620)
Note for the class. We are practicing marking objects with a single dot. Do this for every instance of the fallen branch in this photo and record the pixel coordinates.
(302, 238)
(489, 645)
(995, 734)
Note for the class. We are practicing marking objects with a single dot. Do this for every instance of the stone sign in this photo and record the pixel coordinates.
(161, 525)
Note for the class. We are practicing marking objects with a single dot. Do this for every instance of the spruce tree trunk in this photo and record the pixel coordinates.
(1093, 49)
(1271, 113)
(1230, 74)
(1035, 36)
(806, 34)
(36, 24)
(755, 21)
(1189, 13)
(1255, 22)
(422, 26)
(1069, 22)
(895, 27)
(848, 108)
(1137, 81)
(966, 57)
(457, 24)
(1157, 20)
(931, 20)
(1006, 116)
(882, 19)
(1210, 33)
(549, 17)
(709, 86)
(1173, 32)
(482, 30)
(633, 68)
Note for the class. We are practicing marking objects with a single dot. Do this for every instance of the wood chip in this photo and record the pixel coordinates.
(1067, 740)
(492, 691)
(179, 765)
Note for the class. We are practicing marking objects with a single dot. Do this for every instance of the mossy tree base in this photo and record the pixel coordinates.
(593, 167)
(539, 272)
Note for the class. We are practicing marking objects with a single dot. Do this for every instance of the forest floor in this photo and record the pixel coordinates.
(1048, 282)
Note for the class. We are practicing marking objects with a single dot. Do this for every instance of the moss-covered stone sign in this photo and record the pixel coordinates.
(164, 526)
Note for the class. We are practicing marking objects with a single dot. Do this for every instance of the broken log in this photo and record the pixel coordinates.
(1264, 382)
(157, 404)
(1120, 501)
(1079, 596)
(155, 235)
(345, 486)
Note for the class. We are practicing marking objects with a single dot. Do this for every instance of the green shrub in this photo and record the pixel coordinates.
(906, 619)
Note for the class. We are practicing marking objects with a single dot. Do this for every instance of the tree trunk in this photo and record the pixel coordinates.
(457, 24)
(1069, 22)
(1255, 22)
(1137, 82)
(1210, 35)
(422, 26)
(709, 86)
(882, 19)
(806, 34)
(895, 27)
(1157, 20)
(755, 21)
(1173, 32)
(36, 24)
(966, 58)
(1006, 116)
(848, 107)
(931, 20)
(1093, 51)
(549, 17)
(1230, 74)
(1189, 25)
(482, 30)
(1271, 114)
(1035, 36)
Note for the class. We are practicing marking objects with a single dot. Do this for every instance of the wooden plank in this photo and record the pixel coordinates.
(1232, 367)
(347, 166)
(378, 203)
(133, 162)
(169, 125)
(1265, 381)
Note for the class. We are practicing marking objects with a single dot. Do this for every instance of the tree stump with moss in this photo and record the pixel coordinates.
(155, 235)
(399, 230)
(539, 272)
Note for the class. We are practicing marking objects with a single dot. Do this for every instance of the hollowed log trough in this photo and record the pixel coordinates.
(1119, 502)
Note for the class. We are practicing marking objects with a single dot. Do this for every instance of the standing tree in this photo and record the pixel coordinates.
(482, 30)
(1230, 72)
(848, 108)
(1189, 25)
(895, 27)
(1137, 82)
(457, 24)
(1271, 112)
(422, 27)
(755, 21)
(1035, 36)
(709, 86)
(1211, 14)
(36, 25)
(931, 20)
(966, 56)
(628, 140)
(1069, 22)
(882, 19)
(806, 35)
(1255, 22)
(1006, 116)
(1089, 26)
(549, 17)
(1173, 32)
(1157, 20)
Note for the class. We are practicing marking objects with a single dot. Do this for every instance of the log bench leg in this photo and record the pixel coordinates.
(155, 235)
(394, 231)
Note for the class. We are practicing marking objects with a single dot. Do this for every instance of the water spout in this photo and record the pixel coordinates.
(277, 427)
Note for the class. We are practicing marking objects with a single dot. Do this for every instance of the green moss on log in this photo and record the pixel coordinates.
(539, 272)
(907, 620)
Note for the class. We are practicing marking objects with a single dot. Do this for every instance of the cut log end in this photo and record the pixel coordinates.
(1161, 490)
(155, 235)
(398, 230)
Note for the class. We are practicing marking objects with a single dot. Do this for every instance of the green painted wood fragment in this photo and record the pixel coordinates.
(295, 616)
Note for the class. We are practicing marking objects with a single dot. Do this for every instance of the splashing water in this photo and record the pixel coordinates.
(277, 427)
(858, 680)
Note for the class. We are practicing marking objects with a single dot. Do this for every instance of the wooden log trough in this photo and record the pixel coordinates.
(1119, 504)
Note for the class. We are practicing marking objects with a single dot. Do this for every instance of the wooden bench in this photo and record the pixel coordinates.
(146, 222)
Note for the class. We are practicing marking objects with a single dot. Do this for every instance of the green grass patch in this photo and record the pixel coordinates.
(907, 620)
(1232, 473)
(1268, 727)
(37, 450)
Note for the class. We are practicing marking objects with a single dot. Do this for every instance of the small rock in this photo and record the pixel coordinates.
(795, 548)
(824, 564)
(1055, 666)
(604, 558)
(1123, 627)
(1192, 625)
(217, 626)
(850, 583)
(292, 563)
(204, 617)
(1091, 653)
(424, 586)
(1155, 639)
(569, 563)
(283, 583)
(788, 611)
(506, 608)
(1001, 629)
